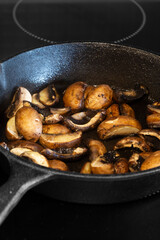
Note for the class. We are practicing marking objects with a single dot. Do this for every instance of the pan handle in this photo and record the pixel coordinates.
(21, 179)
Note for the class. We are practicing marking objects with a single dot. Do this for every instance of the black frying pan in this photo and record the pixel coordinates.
(64, 64)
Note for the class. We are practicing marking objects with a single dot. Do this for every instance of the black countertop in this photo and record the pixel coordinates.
(38, 216)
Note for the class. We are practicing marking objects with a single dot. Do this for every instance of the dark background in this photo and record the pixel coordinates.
(40, 217)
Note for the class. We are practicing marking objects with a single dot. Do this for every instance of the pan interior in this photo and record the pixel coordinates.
(93, 63)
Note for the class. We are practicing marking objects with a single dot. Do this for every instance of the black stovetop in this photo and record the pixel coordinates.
(38, 216)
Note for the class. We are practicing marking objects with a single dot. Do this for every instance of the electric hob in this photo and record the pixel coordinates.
(27, 24)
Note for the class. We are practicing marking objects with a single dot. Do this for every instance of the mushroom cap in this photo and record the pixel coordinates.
(151, 162)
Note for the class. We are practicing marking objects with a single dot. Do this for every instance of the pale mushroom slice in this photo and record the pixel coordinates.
(35, 100)
(152, 161)
(55, 129)
(60, 111)
(101, 166)
(20, 95)
(133, 142)
(154, 107)
(18, 151)
(153, 120)
(59, 165)
(130, 95)
(86, 168)
(49, 96)
(36, 158)
(67, 154)
(67, 140)
(11, 131)
(119, 126)
(87, 120)
(151, 136)
(96, 148)
(25, 144)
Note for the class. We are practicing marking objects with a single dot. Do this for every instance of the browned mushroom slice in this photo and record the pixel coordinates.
(122, 125)
(126, 110)
(74, 96)
(60, 111)
(151, 162)
(99, 97)
(52, 118)
(135, 162)
(133, 142)
(18, 151)
(11, 131)
(55, 129)
(113, 111)
(154, 107)
(152, 137)
(28, 123)
(129, 95)
(96, 149)
(101, 166)
(121, 166)
(49, 96)
(67, 140)
(153, 120)
(35, 100)
(20, 95)
(36, 157)
(86, 168)
(59, 165)
(25, 144)
(89, 120)
(68, 154)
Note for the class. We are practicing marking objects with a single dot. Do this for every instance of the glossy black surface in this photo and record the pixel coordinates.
(39, 217)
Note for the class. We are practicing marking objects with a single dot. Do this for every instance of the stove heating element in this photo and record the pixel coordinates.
(143, 22)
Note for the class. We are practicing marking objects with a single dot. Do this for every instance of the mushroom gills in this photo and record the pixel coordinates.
(152, 137)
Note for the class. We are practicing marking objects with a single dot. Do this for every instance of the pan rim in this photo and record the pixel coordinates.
(76, 175)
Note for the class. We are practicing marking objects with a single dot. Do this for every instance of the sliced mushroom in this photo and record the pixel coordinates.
(89, 120)
(67, 140)
(152, 137)
(153, 120)
(20, 95)
(121, 166)
(4, 145)
(60, 111)
(35, 100)
(122, 125)
(67, 154)
(113, 111)
(96, 149)
(55, 129)
(74, 96)
(126, 110)
(49, 96)
(59, 165)
(154, 107)
(52, 118)
(135, 162)
(25, 144)
(11, 131)
(99, 97)
(101, 166)
(86, 168)
(133, 142)
(28, 123)
(129, 95)
(18, 151)
(151, 162)
(36, 158)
